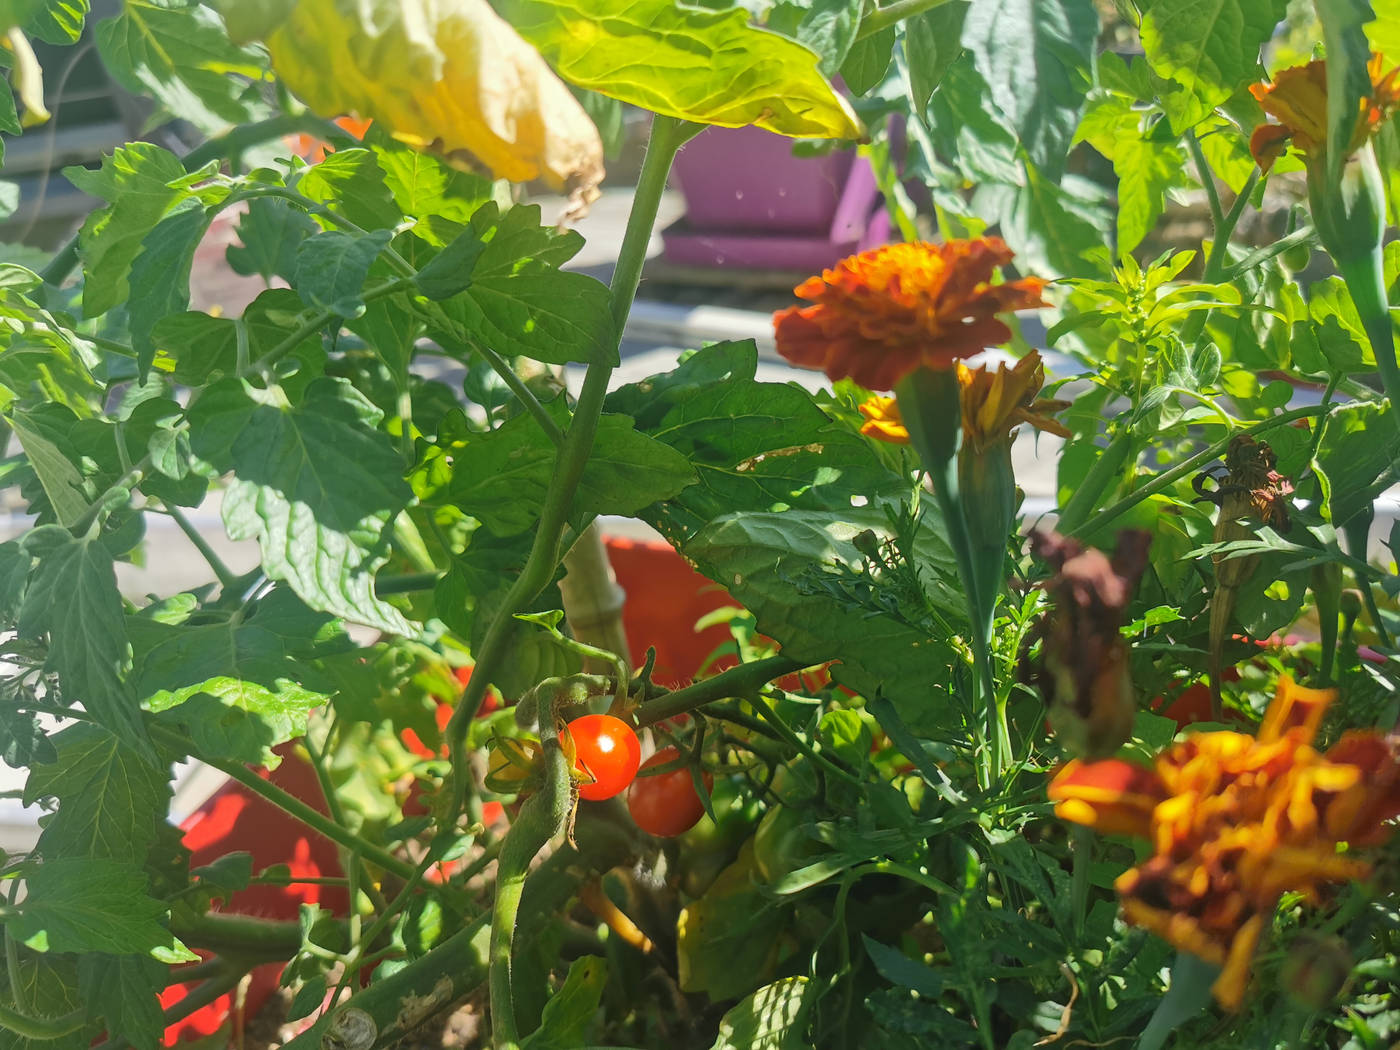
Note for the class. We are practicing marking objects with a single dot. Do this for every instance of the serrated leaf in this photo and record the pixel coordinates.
(450, 271)
(351, 182)
(141, 182)
(111, 801)
(316, 484)
(23, 740)
(868, 60)
(177, 52)
(46, 443)
(50, 987)
(261, 695)
(331, 269)
(903, 972)
(827, 27)
(160, 275)
(124, 993)
(195, 347)
(269, 233)
(57, 21)
(1052, 231)
(1037, 58)
(1210, 48)
(520, 303)
(423, 185)
(712, 67)
(932, 42)
(73, 598)
(89, 905)
(753, 446)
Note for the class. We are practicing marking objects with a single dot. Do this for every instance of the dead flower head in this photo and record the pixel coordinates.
(1083, 669)
(1235, 821)
(879, 315)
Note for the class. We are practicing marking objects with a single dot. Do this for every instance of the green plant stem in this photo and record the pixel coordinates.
(231, 144)
(884, 17)
(1182, 469)
(1302, 235)
(1214, 270)
(315, 322)
(1105, 471)
(743, 680)
(337, 814)
(541, 817)
(241, 936)
(1203, 172)
(18, 992)
(42, 1028)
(127, 481)
(408, 583)
(312, 818)
(667, 136)
(227, 579)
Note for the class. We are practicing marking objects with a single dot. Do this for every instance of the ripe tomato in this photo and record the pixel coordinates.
(608, 751)
(666, 804)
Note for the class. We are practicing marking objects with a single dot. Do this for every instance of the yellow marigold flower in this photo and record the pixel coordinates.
(879, 315)
(883, 421)
(1297, 99)
(994, 402)
(1235, 822)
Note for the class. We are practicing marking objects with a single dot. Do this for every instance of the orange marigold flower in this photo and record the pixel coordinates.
(994, 402)
(1236, 821)
(1297, 99)
(879, 315)
(883, 421)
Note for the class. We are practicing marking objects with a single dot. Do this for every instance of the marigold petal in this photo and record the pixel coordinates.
(1295, 707)
(1229, 987)
(1111, 796)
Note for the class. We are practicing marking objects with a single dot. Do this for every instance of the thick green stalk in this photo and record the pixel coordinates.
(543, 816)
(667, 136)
(737, 681)
(930, 403)
(883, 17)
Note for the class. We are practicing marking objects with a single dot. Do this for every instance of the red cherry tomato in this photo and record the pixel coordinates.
(666, 804)
(608, 751)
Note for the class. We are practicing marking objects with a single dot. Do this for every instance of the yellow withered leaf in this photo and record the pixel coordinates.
(445, 75)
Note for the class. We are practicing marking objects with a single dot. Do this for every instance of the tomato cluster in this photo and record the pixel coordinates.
(609, 754)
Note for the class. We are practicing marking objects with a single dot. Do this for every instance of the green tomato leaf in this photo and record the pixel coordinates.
(1210, 48)
(160, 275)
(73, 598)
(141, 183)
(111, 801)
(49, 986)
(520, 303)
(317, 484)
(1052, 231)
(332, 267)
(868, 60)
(176, 51)
(269, 233)
(351, 182)
(23, 740)
(52, 21)
(44, 434)
(124, 993)
(712, 67)
(1037, 57)
(249, 694)
(87, 905)
(932, 43)
(423, 185)
(827, 27)
(450, 271)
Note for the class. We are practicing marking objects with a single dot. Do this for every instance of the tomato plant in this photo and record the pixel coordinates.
(666, 804)
(608, 752)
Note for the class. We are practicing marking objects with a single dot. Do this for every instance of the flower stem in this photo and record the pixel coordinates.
(667, 136)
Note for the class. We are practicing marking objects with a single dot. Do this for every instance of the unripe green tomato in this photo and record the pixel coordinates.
(1296, 258)
(710, 847)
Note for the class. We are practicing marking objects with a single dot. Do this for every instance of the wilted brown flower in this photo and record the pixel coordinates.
(1084, 663)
